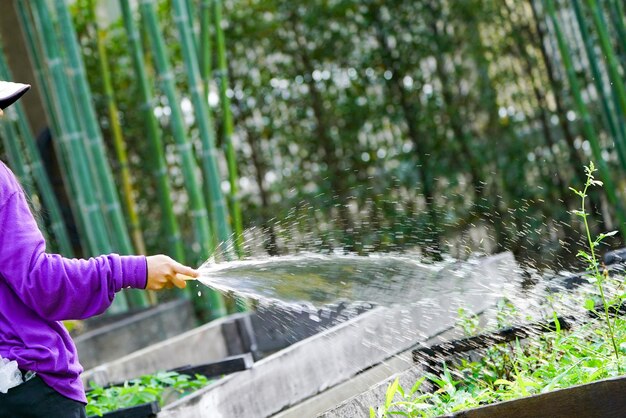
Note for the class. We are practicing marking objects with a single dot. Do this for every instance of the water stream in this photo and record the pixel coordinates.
(323, 279)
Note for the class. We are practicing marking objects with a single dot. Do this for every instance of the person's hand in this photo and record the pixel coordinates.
(165, 273)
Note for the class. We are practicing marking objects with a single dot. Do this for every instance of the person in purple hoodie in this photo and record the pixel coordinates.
(38, 290)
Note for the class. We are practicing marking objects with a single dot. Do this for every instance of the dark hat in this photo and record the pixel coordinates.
(10, 92)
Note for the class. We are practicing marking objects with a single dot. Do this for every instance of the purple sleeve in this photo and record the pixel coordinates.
(58, 288)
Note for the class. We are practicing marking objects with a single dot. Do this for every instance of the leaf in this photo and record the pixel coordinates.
(584, 255)
(578, 192)
(503, 382)
(372, 413)
(589, 304)
(391, 392)
(417, 385)
(580, 213)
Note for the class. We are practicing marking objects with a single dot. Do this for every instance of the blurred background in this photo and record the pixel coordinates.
(243, 128)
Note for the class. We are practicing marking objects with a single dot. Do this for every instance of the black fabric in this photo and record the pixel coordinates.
(35, 399)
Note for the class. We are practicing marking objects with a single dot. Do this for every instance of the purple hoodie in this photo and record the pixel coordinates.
(37, 290)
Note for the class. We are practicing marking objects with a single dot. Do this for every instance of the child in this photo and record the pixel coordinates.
(37, 290)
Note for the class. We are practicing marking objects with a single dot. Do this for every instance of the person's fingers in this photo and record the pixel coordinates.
(184, 277)
(178, 281)
(188, 271)
(168, 285)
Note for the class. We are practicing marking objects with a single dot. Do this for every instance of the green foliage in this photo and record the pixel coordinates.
(467, 321)
(550, 361)
(382, 126)
(376, 126)
(148, 388)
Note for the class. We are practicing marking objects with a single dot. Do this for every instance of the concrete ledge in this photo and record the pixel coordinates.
(132, 333)
(258, 333)
(204, 344)
(362, 383)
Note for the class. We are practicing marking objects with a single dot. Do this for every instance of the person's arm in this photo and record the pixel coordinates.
(58, 288)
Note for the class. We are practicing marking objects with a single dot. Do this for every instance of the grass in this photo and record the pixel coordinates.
(549, 361)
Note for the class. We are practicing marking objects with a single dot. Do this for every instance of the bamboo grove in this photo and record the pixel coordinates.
(356, 125)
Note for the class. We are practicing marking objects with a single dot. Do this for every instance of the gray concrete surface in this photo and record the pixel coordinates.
(117, 339)
(203, 344)
(364, 382)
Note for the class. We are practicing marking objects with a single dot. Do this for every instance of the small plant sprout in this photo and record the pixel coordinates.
(595, 276)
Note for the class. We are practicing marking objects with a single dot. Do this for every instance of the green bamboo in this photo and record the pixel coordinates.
(87, 116)
(44, 83)
(205, 45)
(609, 55)
(618, 14)
(83, 137)
(212, 191)
(607, 112)
(89, 121)
(157, 157)
(11, 142)
(38, 172)
(587, 123)
(191, 11)
(222, 76)
(70, 134)
(199, 215)
(118, 140)
(71, 138)
(15, 155)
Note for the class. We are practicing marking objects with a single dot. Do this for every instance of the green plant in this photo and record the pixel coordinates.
(542, 363)
(147, 388)
(467, 321)
(591, 259)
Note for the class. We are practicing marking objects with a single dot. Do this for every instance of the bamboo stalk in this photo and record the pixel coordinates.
(222, 76)
(118, 139)
(609, 55)
(89, 122)
(191, 11)
(588, 128)
(10, 140)
(38, 172)
(87, 116)
(69, 129)
(70, 136)
(212, 191)
(607, 112)
(205, 45)
(618, 14)
(37, 57)
(202, 234)
(157, 157)
(21, 166)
